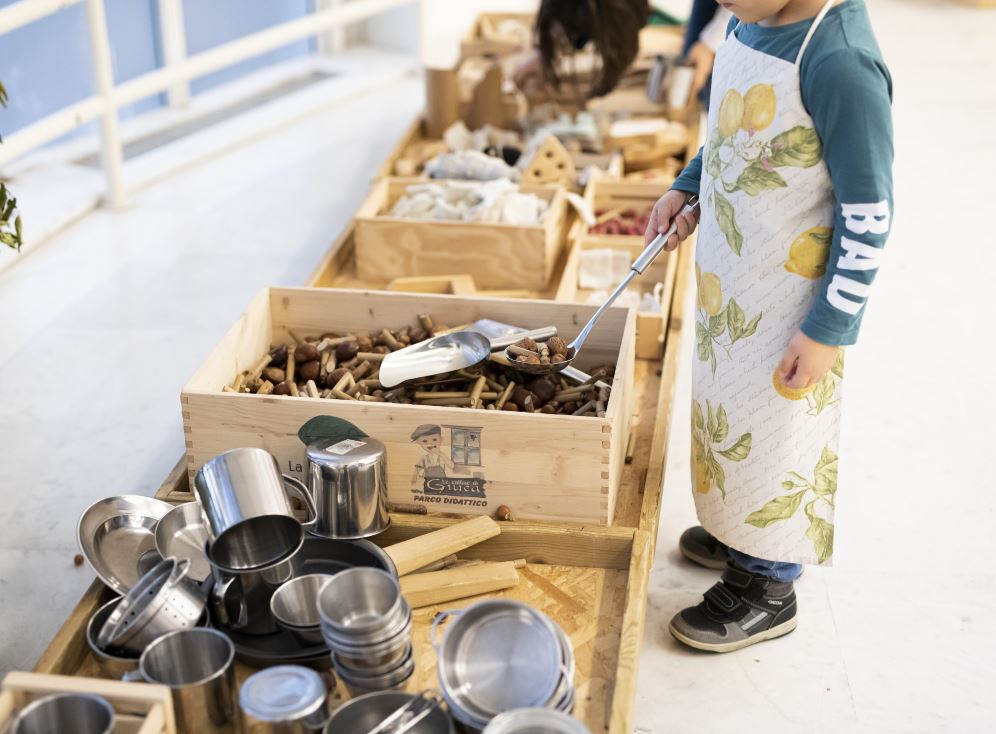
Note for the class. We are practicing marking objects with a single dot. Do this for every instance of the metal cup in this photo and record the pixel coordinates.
(294, 607)
(348, 483)
(241, 600)
(64, 712)
(198, 666)
(244, 501)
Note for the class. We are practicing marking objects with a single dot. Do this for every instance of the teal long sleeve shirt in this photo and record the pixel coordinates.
(847, 90)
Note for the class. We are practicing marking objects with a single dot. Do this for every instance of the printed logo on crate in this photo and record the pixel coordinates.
(450, 467)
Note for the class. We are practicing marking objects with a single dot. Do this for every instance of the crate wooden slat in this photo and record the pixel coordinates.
(139, 708)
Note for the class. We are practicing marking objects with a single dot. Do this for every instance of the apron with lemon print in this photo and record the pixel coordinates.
(764, 456)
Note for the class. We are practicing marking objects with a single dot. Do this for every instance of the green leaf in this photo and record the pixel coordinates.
(825, 473)
(821, 533)
(823, 393)
(705, 347)
(697, 420)
(17, 231)
(717, 324)
(735, 319)
(710, 420)
(722, 425)
(799, 147)
(329, 428)
(718, 475)
(739, 450)
(838, 365)
(8, 210)
(788, 486)
(780, 508)
(751, 327)
(726, 218)
(713, 166)
(756, 179)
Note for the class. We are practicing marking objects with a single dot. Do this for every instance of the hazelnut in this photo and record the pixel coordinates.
(544, 360)
(274, 374)
(278, 356)
(543, 388)
(347, 351)
(309, 370)
(334, 376)
(570, 407)
(527, 343)
(556, 345)
(548, 409)
(305, 353)
(282, 388)
(380, 349)
(78, 559)
(557, 358)
(503, 513)
(509, 405)
(364, 343)
(527, 360)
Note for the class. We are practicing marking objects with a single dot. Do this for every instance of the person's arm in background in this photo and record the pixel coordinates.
(702, 54)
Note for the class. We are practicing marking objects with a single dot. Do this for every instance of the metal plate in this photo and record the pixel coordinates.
(317, 555)
(115, 533)
(182, 533)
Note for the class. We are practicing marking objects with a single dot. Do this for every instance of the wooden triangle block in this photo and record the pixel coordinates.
(547, 162)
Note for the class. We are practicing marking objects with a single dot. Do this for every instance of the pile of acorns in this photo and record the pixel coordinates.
(553, 351)
(347, 366)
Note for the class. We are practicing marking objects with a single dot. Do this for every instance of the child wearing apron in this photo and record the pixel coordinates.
(795, 190)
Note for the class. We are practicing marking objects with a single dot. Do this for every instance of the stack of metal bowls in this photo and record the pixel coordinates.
(367, 625)
(498, 655)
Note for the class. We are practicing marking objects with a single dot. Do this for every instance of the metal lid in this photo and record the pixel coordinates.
(342, 452)
(282, 693)
(535, 721)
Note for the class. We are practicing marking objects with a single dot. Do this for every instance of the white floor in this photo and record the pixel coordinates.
(101, 327)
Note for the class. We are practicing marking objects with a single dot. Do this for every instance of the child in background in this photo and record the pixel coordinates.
(795, 190)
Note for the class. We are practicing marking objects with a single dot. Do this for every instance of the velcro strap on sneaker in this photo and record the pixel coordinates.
(736, 577)
(722, 598)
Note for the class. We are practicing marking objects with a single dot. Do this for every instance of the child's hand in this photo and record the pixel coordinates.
(664, 211)
(701, 58)
(805, 361)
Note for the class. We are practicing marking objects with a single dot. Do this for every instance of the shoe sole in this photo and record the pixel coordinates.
(712, 563)
(777, 631)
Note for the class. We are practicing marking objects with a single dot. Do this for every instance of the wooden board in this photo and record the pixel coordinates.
(496, 255)
(550, 467)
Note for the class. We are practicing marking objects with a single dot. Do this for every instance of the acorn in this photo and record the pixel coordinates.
(309, 370)
(348, 350)
(305, 353)
(278, 356)
(333, 377)
(282, 388)
(542, 388)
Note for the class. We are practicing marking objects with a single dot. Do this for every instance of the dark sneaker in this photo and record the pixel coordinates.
(699, 546)
(738, 611)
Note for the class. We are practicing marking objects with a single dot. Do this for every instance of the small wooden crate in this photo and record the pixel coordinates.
(496, 255)
(549, 467)
(603, 195)
(139, 708)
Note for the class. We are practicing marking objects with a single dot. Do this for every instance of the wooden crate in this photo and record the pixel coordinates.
(605, 195)
(139, 708)
(550, 467)
(496, 255)
(483, 38)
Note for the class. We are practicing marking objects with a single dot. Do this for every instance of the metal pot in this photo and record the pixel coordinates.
(162, 601)
(286, 699)
(79, 713)
(364, 713)
(111, 664)
(348, 483)
(245, 504)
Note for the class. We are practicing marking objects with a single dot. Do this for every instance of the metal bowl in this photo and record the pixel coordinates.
(181, 533)
(113, 664)
(365, 712)
(114, 533)
(367, 668)
(356, 602)
(396, 679)
(295, 603)
(383, 641)
(535, 721)
(499, 655)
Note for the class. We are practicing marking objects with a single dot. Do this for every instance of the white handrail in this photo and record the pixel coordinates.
(175, 75)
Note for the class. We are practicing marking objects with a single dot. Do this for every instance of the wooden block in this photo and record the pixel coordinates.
(413, 554)
(437, 587)
(548, 162)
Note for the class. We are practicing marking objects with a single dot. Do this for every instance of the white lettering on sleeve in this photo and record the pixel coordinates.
(858, 255)
(840, 285)
(865, 218)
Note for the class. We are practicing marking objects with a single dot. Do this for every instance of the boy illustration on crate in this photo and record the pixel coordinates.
(795, 190)
(434, 462)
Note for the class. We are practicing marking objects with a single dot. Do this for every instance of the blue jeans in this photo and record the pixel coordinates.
(774, 570)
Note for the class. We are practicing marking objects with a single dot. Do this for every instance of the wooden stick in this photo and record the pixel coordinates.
(453, 329)
(361, 370)
(289, 374)
(425, 320)
(324, 366)
(417, 552)
(340, 340)
(408, 508)
(371, 356)
(266, 388)
(345, 383)
(239, 381)
(599, 408)
(372, 384)
(311, 388)
(436, 587)
(257, 370)
(503, 398)
(342, 395)
(429, 395)
(586, 408)
(438, 565)
(475, 393)
(519, 351)
(295, 337)
(389, 339)
(294, 391)
(372, 398)
(228, 388)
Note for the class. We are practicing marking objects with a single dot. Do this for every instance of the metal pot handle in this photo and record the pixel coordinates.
(219, 599)
(296, 487)
(179, 572)
(438, 620)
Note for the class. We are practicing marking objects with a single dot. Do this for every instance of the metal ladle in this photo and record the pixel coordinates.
(639, 266)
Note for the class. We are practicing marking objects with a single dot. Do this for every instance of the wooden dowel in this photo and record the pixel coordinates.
(311, 388)
(371, 356)
(503, 398)
(388, 338)
(342, 395)
(289, 374)
(295, 337)
(475, 393)
(266, 388)
(520, 352)
(586, 408)
(294, 391)
(425, 320)
(429, 395)
(258, 368)
(361, 370)
(239, 381)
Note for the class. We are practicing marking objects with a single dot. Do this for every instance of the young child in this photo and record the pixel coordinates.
(795, 192)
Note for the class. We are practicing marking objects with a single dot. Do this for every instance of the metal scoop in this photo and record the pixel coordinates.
(649, 254)
(448, 353)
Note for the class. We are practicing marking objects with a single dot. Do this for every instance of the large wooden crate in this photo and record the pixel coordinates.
(550, 467)
(496, 255)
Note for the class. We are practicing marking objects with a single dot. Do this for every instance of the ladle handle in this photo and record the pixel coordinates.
(649, 254)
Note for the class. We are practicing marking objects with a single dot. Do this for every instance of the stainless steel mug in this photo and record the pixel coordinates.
(64, 712)
(198, 665)
(245, 504)
(287, 699)
(348, 484)
(241, 599)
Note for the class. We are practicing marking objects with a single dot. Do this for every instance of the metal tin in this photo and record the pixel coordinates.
(287, 699)
(535, 721)
(79, 713)
(348, 483)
